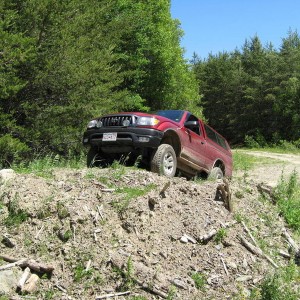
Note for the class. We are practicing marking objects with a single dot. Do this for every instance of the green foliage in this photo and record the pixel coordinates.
(11, 150)
(16, 215)
(253, 95)
(64, 62)
(43, 165)
(199, 280)
(284, 284)
(287, 196)
(220, 235)
(129, 193)
(81, 273)
(62, 211)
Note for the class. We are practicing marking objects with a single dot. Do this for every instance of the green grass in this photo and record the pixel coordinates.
(283, 285)
(244, 162)
(16, 215)
(129, 193)
(43, 166)
(199, 280)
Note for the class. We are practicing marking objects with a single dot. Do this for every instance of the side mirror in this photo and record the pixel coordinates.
(191, 124)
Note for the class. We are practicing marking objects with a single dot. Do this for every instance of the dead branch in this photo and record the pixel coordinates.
(23, 278)
(257, 251)
(224, 189)
(290, 240)
(207, 237)
(112, 295)
(162, 192)
(249, 233)
(13, 264)
(30, 263)
(120, 264)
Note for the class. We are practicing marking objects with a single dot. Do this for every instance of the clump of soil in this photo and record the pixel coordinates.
(110, 230)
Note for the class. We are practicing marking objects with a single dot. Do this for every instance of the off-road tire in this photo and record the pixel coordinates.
(216, 173)
(164, 161)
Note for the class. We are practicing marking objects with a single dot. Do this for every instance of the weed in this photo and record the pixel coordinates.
(80, 272)
(171, 293)
(281, 285)
(42, 165)
(137, 298)
(238, 217)
(220, 235)
(287, 197)
(45, 211)
(16, 215)
(199, 280)
(62, 211)
(129, 194)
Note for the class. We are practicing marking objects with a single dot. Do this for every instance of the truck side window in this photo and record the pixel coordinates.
(196, 129)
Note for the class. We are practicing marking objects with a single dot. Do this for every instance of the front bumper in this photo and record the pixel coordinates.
(130, 137)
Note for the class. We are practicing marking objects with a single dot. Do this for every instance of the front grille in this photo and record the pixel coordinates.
(115, 120)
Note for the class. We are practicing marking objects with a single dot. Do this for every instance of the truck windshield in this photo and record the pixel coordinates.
(174, 115)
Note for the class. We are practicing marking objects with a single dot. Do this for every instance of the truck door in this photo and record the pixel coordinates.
(194, 144)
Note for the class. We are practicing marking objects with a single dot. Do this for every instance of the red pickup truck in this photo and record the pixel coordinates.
(168, 141)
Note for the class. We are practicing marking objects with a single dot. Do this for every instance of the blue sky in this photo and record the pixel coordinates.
(212, 26)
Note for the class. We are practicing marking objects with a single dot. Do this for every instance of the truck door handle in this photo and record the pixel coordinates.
(202, 142)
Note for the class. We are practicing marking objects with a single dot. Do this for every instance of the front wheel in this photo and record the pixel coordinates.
(216, 173)
(164, 161)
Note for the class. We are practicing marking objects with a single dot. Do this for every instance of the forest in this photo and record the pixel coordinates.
(64, 62)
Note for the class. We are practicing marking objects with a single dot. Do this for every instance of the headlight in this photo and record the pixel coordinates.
(92, 124)
(147, 121)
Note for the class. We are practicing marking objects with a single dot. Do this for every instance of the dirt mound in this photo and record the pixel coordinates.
(110, 230)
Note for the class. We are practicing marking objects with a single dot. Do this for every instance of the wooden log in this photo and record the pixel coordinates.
(13, 264)
(32, 264)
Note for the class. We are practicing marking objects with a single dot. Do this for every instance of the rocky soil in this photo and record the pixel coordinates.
(105, 232)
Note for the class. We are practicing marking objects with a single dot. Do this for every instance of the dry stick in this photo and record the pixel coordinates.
(112, 295)
(206, 237)
(39, 232)
(100, 212)
(13, 264)
(23, 278)
(144, 286)
(224, 265)
(32, 264)
(290, 240)
(249, 233)
(257, 251)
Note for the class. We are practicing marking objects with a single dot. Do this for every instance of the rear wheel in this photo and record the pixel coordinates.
(216, 173)
(164, 161)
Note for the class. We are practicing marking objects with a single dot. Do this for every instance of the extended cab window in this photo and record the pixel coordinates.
(215, 137)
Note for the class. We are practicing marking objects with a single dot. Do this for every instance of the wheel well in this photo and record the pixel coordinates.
(220, 165)
(170, 137)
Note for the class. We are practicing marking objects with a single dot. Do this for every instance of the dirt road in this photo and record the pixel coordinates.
(270, 173)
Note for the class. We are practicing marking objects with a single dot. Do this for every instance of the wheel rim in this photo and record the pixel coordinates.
(168, 163)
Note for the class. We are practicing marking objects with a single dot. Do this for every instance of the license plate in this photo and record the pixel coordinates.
(109, 136)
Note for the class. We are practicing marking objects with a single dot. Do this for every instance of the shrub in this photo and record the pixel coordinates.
(12, 150)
